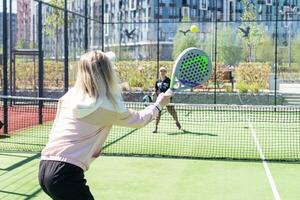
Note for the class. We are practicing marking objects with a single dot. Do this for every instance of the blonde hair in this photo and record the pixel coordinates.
(96, 77)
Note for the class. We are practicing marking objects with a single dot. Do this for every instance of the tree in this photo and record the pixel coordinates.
(21, 43)
(184, 40)
(32, 45)
(54, 22)
(295, 49)
(250, 33)
(229, 50)
(265, 49)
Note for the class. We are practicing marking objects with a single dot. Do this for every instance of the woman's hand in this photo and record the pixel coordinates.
(163, 99)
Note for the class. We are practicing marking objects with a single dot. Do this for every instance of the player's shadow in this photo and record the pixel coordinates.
(186, 132)
(20, 163)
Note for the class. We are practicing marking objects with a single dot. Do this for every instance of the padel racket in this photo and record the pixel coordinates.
(192, 68)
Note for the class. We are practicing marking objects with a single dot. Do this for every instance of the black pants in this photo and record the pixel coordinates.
(171, 110)
(63, 181)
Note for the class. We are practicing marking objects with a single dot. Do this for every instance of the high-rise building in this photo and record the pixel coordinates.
(95, 26)
(133, 28)
(139, 24)
(13, 28)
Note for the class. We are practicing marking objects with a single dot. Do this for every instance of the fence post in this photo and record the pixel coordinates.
(102, 23)
(66, 59)
(158, 17)
(4, 57)
(85, 26)
(215, 48)
(41, 60)
(276, 51)
(10, 47)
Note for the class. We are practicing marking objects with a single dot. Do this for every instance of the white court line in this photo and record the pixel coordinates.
(265, 164)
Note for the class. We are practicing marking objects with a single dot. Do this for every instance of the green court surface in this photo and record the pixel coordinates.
(234, 141)
(113, 178)
(225, 134)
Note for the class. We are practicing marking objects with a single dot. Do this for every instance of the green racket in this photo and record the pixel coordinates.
(192, 68)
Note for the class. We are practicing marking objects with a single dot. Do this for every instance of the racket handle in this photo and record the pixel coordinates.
(169, 92)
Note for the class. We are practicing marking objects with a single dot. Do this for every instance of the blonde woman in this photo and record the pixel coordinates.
(85, 115)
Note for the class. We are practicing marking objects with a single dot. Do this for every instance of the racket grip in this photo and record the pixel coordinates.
(169, 92)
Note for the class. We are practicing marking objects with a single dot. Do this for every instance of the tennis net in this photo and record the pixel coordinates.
(235, 132)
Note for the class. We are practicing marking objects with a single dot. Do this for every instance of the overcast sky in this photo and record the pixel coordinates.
(14, 6)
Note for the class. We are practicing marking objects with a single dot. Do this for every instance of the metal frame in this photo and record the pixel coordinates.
(88, 18)
(66, 48)
(41, 60)
(4, 57)
(12, 74)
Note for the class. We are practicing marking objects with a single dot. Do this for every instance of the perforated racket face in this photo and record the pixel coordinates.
(193, 67)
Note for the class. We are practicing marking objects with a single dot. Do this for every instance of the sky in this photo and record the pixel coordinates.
(14, 5)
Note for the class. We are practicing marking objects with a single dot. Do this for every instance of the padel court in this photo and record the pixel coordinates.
(222, 152)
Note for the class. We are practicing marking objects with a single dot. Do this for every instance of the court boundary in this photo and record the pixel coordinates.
(264, 162)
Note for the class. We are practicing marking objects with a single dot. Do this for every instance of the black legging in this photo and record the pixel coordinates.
(171, 110)
(62, 180)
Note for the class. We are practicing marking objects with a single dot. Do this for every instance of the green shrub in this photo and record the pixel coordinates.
(284, 67)
(242, 87)
(254, 88)
(27, 74)
(250, 73)
(136, 74)
(228, 88)
(141, 74)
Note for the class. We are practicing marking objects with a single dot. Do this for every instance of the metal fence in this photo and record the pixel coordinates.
(253, 45)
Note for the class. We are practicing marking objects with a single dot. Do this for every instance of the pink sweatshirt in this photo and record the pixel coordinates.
(81, 127)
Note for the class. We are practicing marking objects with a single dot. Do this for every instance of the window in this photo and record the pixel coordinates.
(160, 10)
(203, 4)
(185, 11)
(156, 10)
(231, 11)
(171, 11)
(106, 8)
(149, 12)
(269, 13)
(132, 4)
(106, 25)
(269, 2)
(193, 12)
(296, 10)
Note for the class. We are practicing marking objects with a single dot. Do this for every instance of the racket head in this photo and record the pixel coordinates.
(192, 68)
